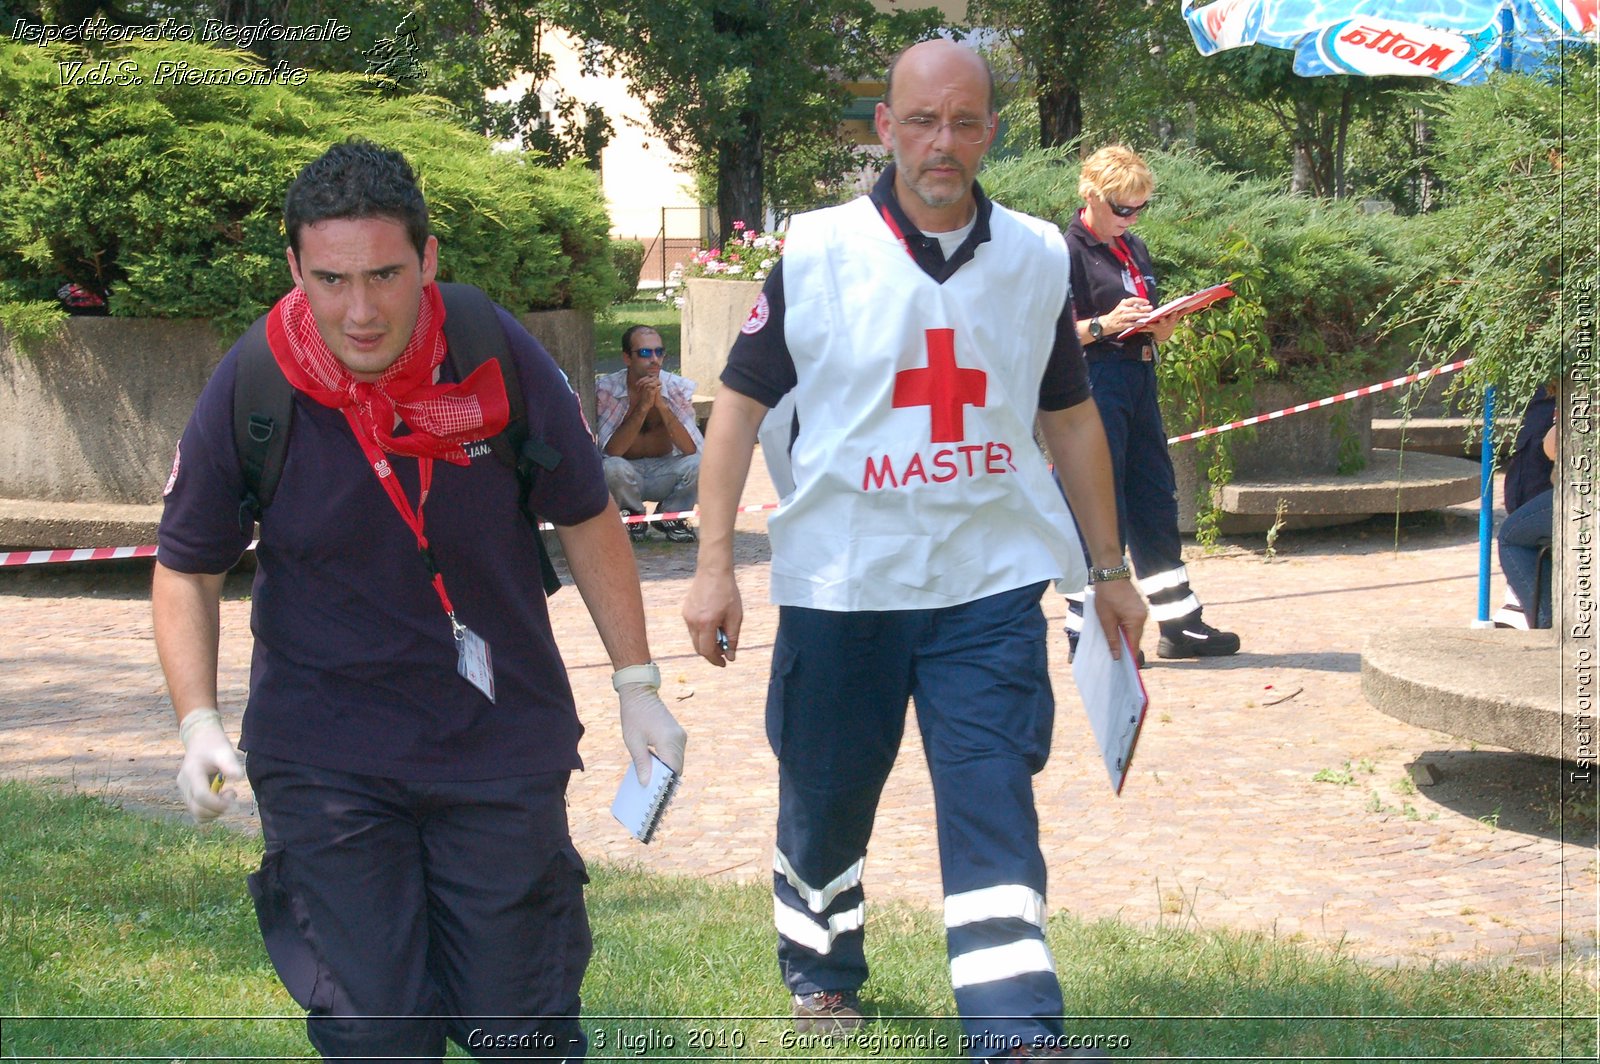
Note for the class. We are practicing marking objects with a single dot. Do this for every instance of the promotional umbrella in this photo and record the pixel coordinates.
(1449, 40)
(1458, 41)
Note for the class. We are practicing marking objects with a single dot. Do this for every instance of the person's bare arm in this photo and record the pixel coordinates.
(185, 610)
(713, 603)
(677, 432)
(642, 396)
(600, 558)
(601, 561)
(186, 615)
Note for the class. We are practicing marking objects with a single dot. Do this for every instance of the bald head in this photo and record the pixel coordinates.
(940, 60)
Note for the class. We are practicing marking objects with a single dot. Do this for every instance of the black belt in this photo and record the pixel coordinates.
(1110, 352)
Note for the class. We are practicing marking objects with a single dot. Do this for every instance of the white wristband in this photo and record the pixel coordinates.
(647, 674)
(196, 718)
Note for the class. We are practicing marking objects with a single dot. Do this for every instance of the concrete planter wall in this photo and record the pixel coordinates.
(713, 313)
(1306, 444)
(93, 415)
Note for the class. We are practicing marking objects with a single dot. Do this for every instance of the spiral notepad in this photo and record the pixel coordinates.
(639, 807)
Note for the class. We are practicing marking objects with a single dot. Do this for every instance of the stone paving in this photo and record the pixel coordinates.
(1224, 821)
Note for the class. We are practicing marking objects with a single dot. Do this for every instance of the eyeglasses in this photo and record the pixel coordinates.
(650, 352)
(1126, 212)
(924, 129)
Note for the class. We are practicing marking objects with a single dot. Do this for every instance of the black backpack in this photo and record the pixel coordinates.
(263, 410)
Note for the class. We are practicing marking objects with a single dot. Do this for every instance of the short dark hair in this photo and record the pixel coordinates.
(629, 333)
(356, 179)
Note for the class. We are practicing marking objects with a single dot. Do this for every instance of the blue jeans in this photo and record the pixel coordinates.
(673, 480)
(1524, 532)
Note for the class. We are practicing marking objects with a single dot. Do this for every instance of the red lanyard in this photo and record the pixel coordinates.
(413, 518)
(1120, 250)
(888, 219)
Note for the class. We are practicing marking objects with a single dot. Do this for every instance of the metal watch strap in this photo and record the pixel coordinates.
(648, 674)
(1117, 572)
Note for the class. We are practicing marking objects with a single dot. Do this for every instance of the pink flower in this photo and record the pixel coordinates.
(738, 227)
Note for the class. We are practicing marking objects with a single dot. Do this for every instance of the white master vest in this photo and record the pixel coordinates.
(917, 481)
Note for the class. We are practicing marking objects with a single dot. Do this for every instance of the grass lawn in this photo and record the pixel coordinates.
(123, 937)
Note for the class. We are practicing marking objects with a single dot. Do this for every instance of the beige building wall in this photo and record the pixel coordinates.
(639, 173)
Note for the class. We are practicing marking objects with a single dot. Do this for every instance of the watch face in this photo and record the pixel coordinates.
(1095, 328)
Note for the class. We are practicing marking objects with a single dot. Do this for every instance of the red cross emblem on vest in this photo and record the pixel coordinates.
(944, 387)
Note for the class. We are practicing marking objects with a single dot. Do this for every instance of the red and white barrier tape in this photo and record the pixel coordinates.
(82, 554)
(95, 554)
(641, 519)
(1329, 401)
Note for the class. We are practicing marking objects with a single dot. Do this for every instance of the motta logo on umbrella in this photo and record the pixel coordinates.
(1577, 17)
(1379, 47)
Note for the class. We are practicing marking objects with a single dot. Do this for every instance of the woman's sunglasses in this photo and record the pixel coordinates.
(1126, 212)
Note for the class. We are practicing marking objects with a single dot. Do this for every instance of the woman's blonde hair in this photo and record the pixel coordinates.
(1116, 172)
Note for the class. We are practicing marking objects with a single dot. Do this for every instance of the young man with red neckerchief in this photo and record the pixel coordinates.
(410, 726)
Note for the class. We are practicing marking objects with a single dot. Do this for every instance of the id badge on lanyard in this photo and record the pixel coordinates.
(474, 662)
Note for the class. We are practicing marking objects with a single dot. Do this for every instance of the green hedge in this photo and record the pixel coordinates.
(1319, 268)
(170, 196)
(627, 257)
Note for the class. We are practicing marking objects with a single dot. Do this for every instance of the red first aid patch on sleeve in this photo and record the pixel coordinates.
(759, 314)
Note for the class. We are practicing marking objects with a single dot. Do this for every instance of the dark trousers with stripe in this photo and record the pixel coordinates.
(1146, 488)
(400, 913)
(836, 712)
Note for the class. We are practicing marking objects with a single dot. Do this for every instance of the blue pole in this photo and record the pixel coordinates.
(1486, 509)
(1503, 56)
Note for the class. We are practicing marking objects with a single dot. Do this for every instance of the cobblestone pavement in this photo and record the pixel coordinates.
(1224, 821)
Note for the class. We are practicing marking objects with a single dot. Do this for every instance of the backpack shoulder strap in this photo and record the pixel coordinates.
(473, 335)
(263, 410)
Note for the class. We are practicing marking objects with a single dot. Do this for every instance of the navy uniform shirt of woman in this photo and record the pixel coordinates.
(1113, 285)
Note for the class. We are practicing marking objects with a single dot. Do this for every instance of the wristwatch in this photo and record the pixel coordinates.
(1118, 572)
(1096, 330)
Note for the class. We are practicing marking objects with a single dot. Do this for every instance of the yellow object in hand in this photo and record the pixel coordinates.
(216, 784)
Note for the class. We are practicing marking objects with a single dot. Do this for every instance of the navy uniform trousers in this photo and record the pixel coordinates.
(401, 913)
(1147, 491)
(836, 711)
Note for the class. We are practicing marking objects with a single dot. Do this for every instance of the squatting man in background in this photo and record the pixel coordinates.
(918, 331)
(649, 436)
(419, 881)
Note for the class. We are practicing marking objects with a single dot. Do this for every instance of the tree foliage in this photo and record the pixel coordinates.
(453, 50)
(740, 87)
(1066, 45)
(1512, 274)
(1319, 269)
(168, 198)
(1110, 70)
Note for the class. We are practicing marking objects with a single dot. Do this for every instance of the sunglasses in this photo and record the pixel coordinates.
(650, 352)
(1126, 212)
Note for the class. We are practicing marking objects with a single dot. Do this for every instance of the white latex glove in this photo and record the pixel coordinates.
(646, 721)
(207, 754)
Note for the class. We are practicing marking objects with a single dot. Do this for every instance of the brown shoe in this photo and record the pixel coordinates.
(827, 1012)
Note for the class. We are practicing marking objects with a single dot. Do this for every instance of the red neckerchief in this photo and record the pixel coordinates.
(1124, 256)
(441, 417)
